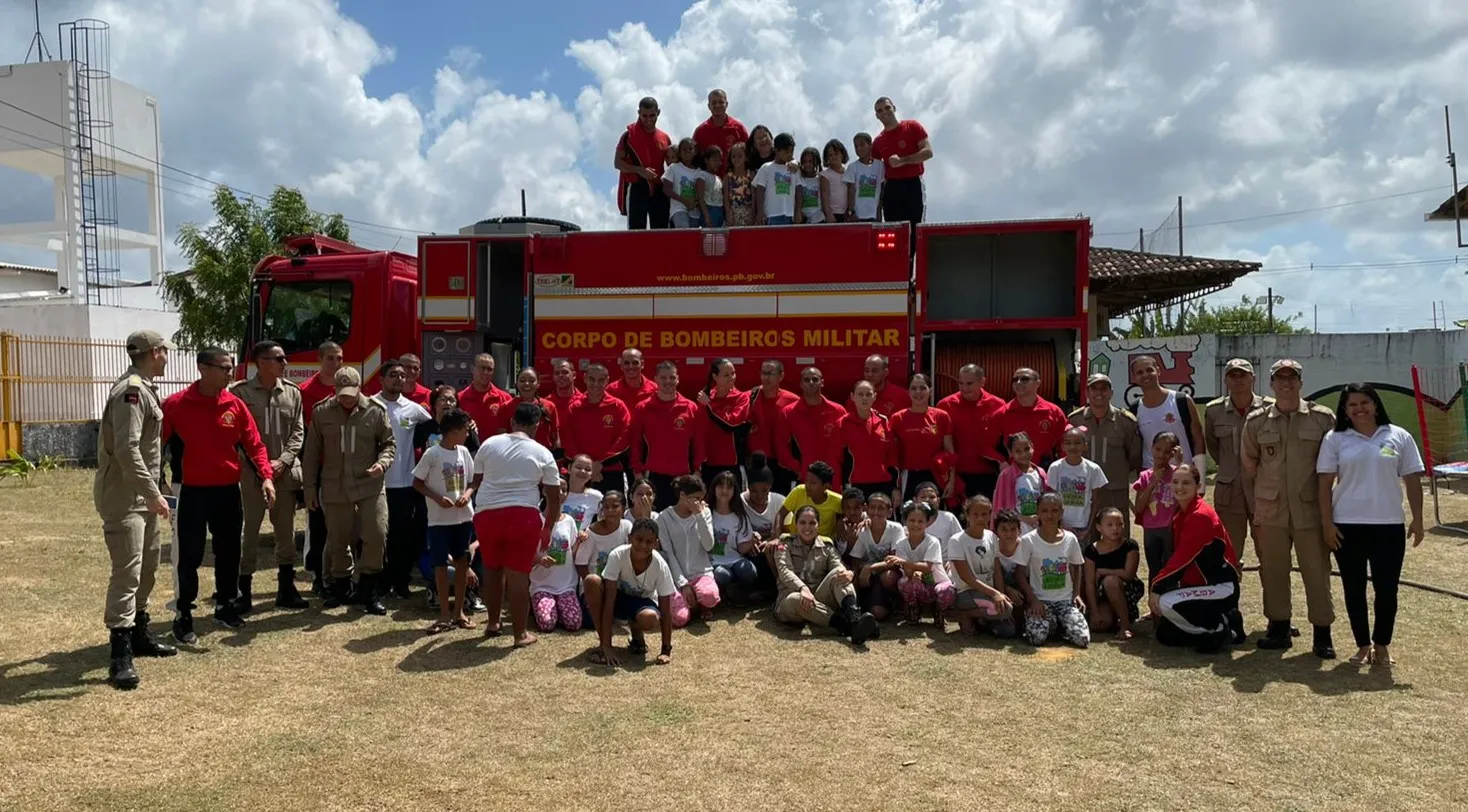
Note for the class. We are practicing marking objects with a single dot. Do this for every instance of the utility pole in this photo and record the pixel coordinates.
(1271, 311)
(1317, 319)
(1180, 225)
(1141, 239)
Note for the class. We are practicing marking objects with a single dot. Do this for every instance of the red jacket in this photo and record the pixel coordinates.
(421, 395)
(662, 436)
(1044, 422)
(548, 433)
(891, 399)
(563, 408)
(598, 430)
(919, 437)
(1197, 533)
(205, 436)
(633, 396)
(765, 418)
(873, 454)
(816, 431)
(717, 426)
(484, 409)
(969, 418)
(313, 391)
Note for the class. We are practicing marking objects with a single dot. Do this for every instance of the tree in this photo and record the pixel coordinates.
(213, 299)
(1244, 318)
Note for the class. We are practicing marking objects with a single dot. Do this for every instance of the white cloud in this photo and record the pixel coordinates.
(1036, 108)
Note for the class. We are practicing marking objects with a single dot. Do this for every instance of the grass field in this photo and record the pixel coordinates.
(336, 710)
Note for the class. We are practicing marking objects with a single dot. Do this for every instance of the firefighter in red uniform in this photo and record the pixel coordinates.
(970, 408)
(563, 390)
(921, 434)
(723, 416)
(813, 423)
(1029, 413)
(867, 436)
(317, 388)
(662, 436)
(413, 388)
(548, 431)
(891, 398)
(767, 403)
(597, 425)
(633, 387)
(205, 427)
(484, 401)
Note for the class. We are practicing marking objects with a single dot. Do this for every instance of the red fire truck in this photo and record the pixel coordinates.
(1002, 294)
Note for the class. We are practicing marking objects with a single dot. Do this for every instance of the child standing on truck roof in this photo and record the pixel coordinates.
(739, 188)
(680, 184)
(833, 181)
(774, 186)
(710, 189)
(864, 182)
(808, 208)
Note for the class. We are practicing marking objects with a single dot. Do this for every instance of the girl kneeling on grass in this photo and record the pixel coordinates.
(1049, 575)
(553, 581)
(686, 537)
(1195, 593)
(1008, 559)
(1112, 586)
(637, 587)
(973, 554)
(924, 583)
(734, 538)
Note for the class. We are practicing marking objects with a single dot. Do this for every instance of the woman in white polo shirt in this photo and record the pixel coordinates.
(1361, 514)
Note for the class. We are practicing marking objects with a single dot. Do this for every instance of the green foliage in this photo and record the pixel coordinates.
(16, 466)
(1244, 318)
(213, 301)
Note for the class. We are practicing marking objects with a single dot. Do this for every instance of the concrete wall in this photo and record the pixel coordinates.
(1194, 364)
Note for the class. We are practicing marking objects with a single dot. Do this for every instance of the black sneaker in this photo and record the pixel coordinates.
(183, 629)
(1323, 647)
(472, 603)
(244, 602)
(226, 616)
(1276, 637)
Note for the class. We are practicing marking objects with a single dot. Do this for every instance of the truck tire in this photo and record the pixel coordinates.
(560, 225)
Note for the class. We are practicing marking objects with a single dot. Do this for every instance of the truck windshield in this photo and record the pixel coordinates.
(302, 315)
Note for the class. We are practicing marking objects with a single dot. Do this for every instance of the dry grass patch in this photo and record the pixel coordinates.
(335, 710)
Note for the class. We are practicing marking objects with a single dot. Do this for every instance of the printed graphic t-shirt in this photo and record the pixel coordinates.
(446, 471)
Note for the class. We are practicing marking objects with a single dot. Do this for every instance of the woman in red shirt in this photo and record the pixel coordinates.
(868, 440)
(1195, 595)
(722, 425)
(921, 433)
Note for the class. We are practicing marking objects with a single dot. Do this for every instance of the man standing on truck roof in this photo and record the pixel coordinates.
(597, 425)
(317, 388)
(891, 398)
(413, 388)
(563, 389)
(633, 387)
(640, 156)
(767, 404)
(903, 148)
(970, 407)
(662, 436)
(483, 400)
(813, 422)
(1027, 412)
(721, 129)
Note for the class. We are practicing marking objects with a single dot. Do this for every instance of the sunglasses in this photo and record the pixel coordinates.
(225, 367)
(1021, 379)
(279, 359)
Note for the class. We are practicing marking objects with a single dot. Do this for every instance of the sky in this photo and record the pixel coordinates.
(1305, 135)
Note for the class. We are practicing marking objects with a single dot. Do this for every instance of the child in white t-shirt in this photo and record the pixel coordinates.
(734, 569)
(863, 179)
(943, 524)
(1008, 558)
(680, 184)
(774, 186)
(808, 206)
(924, 583)
(606, 534)
(876, 579)
(973, 554)
(443, 476)
(1050, 577)
(582, 501)
(1076, 479)
(710, 189)
(833, 181)
(636, 586)
(553, 581)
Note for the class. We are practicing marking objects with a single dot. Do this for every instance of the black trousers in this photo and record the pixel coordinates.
(664, 495)
(869, 488)
(708, 472)
(785, 479)
(613, 481)
(208, 511)
(914, 479)
(316, 537)
(902, 200)
(406, 529)
(979, 484)
(646, 206)
(1381, 548)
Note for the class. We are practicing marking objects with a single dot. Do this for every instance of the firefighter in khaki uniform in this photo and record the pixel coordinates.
(1223, 417)
(1116, 445)
(347, 451)
(815, 587)
(125, 493)
(1280, 446)
(275, 403)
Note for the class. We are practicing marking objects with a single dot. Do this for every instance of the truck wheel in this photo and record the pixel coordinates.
(543, 221)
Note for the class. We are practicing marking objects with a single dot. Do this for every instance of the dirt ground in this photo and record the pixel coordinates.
(336, 710)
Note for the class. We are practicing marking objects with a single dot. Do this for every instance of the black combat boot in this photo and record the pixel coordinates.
(860, 626)
(286, 596)
(144, 644)
(183, 628)
(120, 671)
(245, 601)
(1276, 637)
(371, 597)
(1236, 625)
(1324, 648)
(319, 585)
(337, 591)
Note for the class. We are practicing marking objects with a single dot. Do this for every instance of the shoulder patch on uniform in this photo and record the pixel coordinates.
(131, 397)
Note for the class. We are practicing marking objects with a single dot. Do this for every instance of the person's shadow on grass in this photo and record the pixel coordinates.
(1250, 669)
(59, 675)
(455, 650)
